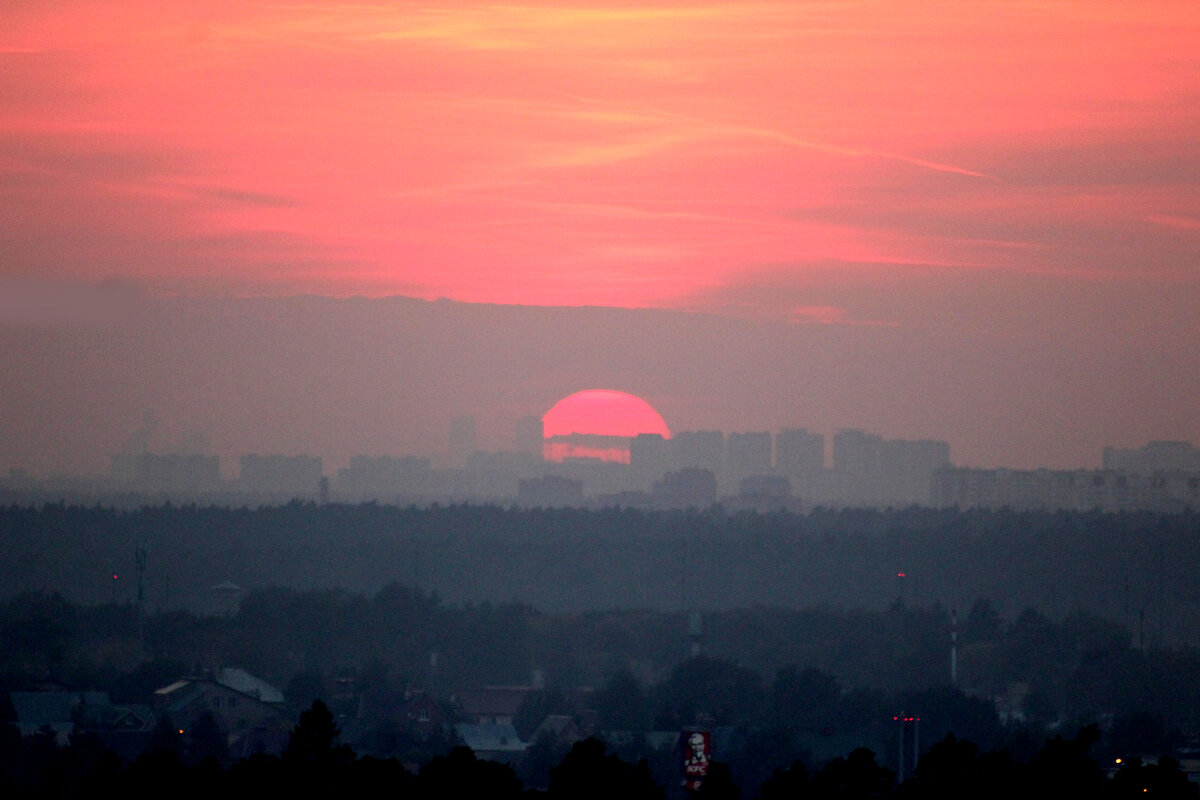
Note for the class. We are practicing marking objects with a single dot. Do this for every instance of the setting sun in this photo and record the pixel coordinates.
(598, 423)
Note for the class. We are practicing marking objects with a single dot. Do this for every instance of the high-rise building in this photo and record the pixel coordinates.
(1154, 457)
(690, 487)
(650, 457)
(385, 478)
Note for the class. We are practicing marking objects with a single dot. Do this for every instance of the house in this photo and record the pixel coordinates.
(492, 741)
(246, 683)
(252, 716)
(491, 705)
(562, 729)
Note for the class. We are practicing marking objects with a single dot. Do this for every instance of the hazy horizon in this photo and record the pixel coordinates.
(964, 220)
(341, 377)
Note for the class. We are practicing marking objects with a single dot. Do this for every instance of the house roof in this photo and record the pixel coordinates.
(174, 687)
(183, 693)
(246, 683)
(556, 726)
(491, 738)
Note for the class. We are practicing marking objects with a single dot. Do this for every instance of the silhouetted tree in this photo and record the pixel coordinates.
(1063, 768)
(706, 686)
(718, 783)
(314, 740)
(787, 784)
(621, 703)
(461, 774)
(207, 740)
(806, 698)
(855, 777)
(588, 772)
(983, 623)
(1166, 779)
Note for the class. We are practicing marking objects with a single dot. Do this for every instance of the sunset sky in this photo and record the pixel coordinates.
(969, 168)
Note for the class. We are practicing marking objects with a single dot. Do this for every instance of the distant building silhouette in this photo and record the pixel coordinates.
(385, 479)
(550, 491)
(494, 476)
(650, 455)
(1154, 457)
(1161, 476)
(687, 488)
(763, 493)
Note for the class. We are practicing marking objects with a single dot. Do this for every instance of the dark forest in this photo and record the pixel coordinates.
(793, 638)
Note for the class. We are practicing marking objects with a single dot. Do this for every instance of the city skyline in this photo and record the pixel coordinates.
(331, 228)
(739, 471)
(373, 376)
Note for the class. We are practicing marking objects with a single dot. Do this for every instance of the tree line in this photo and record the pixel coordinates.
(830, 677)
(1133, 568)
(316, 763)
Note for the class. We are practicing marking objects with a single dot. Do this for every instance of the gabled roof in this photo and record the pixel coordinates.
(244, 682)
(491, 738)
(174, 687)
(183, 693)
(558, 726)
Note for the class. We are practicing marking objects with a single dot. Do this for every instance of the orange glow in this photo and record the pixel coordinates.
(643, 154)
(597, 424)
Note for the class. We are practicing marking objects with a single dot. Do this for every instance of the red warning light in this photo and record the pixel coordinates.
(114, 576)
(901, 575)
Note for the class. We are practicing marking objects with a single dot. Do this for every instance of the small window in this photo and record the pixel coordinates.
(216, 702)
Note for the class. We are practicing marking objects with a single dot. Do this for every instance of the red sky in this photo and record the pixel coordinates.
(957, 168)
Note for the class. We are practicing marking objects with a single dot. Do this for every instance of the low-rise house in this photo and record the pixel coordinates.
(251, 723)
(493, 742)
(562, 729)
(491, 705)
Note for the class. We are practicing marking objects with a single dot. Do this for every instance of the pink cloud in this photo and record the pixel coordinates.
(567, 153)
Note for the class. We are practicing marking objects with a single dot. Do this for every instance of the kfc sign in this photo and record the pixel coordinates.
(697, 752)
